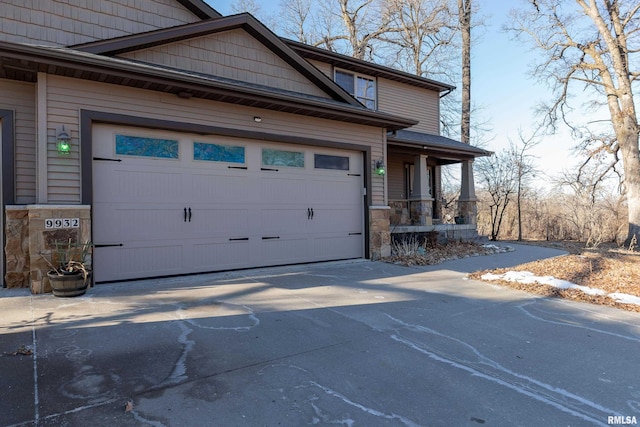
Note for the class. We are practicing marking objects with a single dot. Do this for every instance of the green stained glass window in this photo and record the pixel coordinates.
(282, 158)
(218, 153)
(127, 145)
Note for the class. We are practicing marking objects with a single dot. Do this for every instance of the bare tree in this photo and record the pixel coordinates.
(497, 176)
(464, 18)
(524, 168)
(251, 6)
(296, 16)
(592, 212)
(365, 21)
(424, 29)
(592, 43)
(254, 7)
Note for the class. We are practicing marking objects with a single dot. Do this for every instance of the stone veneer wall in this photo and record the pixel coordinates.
(379, 232)
(28, 241)
(17, 247)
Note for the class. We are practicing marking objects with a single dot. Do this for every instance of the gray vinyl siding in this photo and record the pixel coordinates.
(395, 177)
(403, 100)
(68, 96)
(238, 56)
(327, 69)
(70, 22)
(21, 98)
(409, 101)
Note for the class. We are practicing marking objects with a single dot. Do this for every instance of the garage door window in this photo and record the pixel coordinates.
(218, 153)
(272, 157)
(127, 145)
(323, 161)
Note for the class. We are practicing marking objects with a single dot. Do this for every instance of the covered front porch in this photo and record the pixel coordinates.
(414, 185)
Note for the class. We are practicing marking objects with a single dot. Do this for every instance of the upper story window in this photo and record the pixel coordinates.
(363, 88)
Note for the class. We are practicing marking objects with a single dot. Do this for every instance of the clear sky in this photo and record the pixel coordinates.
(502, 90)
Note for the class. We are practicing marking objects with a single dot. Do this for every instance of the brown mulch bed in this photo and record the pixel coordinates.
(608, 268)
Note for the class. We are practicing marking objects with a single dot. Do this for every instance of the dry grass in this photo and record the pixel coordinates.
(411, 253)
(608, 268)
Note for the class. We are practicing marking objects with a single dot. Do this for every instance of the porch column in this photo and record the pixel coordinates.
(467, 202)
(421, 198)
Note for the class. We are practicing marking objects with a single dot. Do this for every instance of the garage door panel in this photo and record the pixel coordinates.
(335, 220)
(335, 247)
(284, 251)
(283, 221)
(219, 222)
(137, 260)
(241, 214)
(282, 189)
(335, 191)
(139, 186)
(123, 222)
(218, 187)
(220, 255)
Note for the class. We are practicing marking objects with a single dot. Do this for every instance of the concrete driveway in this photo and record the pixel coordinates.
(348, 343)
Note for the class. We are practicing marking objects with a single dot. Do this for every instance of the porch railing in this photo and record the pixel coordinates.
(407, 212)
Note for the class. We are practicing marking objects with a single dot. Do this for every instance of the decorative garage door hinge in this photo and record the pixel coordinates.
(104, 159)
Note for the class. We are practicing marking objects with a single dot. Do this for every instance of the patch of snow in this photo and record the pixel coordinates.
(625, 298)
(497, 249)
(527, 277)
(489, 246)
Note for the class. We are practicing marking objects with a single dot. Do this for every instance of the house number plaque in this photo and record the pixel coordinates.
(62, 223)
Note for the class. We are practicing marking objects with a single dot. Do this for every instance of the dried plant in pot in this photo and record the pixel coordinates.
(69, 273)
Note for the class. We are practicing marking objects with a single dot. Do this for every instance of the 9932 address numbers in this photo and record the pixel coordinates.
(62, 223)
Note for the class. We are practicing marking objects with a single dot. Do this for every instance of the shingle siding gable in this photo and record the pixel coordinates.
(232, 54)
(66, 23)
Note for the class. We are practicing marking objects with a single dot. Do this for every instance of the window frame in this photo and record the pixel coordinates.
(356, 76)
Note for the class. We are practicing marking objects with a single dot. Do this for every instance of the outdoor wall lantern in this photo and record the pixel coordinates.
(380, 167)
(63, 142)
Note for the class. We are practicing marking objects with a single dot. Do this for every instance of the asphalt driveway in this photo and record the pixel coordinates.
(349, 343)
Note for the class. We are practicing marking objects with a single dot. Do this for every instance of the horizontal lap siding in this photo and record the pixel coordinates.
(403, 100)
(238, 56)
(396, 178)
(411, 102)
(73, 22)
(68, 96)
(20, 97)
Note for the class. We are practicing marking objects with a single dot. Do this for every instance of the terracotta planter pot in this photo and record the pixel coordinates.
(68, 285)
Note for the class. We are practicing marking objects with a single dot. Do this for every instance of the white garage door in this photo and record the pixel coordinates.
(171, 203)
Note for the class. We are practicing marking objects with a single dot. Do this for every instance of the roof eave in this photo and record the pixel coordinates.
(466, 152)
(353, 64)
(201, 9)
(245, 21)
(147, 77)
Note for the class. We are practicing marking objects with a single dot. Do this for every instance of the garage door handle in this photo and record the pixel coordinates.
(311, 213)
(238, 239)
(308, 213)
(189, 214)
(270, 237)
(185, 214)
